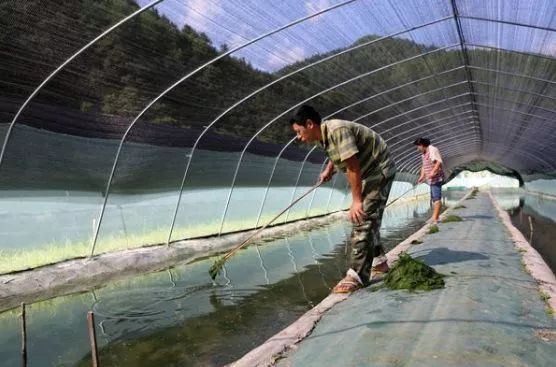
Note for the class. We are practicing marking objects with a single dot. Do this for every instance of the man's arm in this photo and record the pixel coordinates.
(353, 175)
(436, 159)
(422, 176)
(327, 172)
(436, 168)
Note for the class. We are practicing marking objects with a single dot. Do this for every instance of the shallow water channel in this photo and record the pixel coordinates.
(179, 317)
(535, 217)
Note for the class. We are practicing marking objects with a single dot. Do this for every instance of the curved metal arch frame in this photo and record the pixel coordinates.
(366, 99)
(510, 51)
(507, 22)
(293, 192)
(442, 138)
(423, 116)
(323, 164)
(516, 75)
(259, 90)
(360, 76)
(414, 164)
(404, 123)
(393, 104)
(405, 155)
(415, 167)
(181, 80)
(513, 111)
(425, 61)
(452, 120)
(413, 82)
(459, 114)
(334, 113)
(408, 154)
(513, 89)
(494, 107)
(295, 189)
(331, 192)
(459, 151)
(297, 185)
(525, 154)
(293, 139)
(529, 153)
(469, 111)
(276, 160)
(515, 102)
(417, 109)
(467, 125)
(437, 102)
(62, 66)
(440, 126)
(412, 98)
(158, 1)
(315, 190)
(279, 155)
(417, 127)
(458, 83)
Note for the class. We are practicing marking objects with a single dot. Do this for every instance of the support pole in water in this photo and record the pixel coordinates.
(23, 336)
(531, 229)
(93, 338)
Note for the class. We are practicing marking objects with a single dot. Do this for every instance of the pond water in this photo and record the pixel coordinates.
(533, 211)
(179, 317)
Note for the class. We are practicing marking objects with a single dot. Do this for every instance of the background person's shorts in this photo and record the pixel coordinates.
(436, 191)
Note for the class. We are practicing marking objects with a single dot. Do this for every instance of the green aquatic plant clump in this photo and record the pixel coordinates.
(452, 218)
(473, 194)
(434, 229)
(216, 267)
(411, 274)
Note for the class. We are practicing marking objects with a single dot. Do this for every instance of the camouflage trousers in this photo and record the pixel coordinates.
(365, 237)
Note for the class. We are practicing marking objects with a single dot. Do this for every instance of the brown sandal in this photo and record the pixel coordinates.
(379, 271)
(346, 285)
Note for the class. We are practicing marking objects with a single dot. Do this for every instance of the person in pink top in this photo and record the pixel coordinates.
(432, 173)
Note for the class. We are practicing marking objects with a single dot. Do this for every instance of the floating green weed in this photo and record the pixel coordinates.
(545, 296)
(473, 194)
(434, 229)
(452, 218)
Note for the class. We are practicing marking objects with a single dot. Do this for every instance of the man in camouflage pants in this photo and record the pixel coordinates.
(364, 157)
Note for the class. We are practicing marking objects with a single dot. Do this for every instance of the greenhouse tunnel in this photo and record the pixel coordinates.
(132, 123)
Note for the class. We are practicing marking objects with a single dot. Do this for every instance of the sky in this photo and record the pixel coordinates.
(235, 22)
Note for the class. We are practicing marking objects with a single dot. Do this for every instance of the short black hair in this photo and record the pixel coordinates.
(305, 113)
(422, 141)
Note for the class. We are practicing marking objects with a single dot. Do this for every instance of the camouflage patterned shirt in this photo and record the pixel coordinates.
(342, 139)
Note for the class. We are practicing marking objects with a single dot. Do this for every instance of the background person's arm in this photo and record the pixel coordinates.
(422, 176)
(436, 168)
(436, 159)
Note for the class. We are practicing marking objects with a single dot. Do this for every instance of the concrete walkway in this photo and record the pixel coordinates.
(490, 313)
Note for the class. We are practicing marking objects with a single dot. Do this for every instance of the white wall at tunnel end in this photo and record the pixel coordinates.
(482, 179)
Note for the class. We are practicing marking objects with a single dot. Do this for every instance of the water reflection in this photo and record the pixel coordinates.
(178, 316)
(535, 217)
